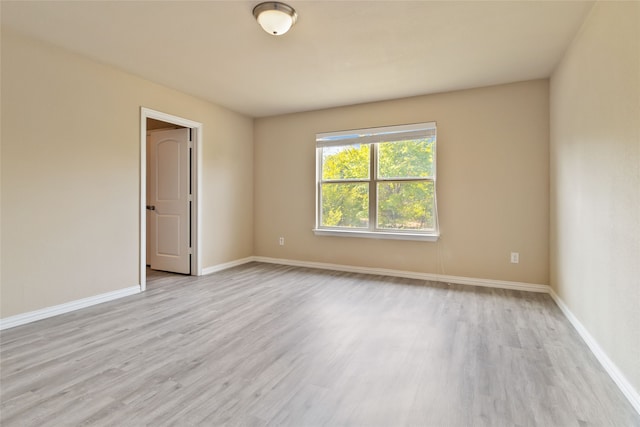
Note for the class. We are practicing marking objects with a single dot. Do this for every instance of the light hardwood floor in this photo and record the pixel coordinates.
(264, 344)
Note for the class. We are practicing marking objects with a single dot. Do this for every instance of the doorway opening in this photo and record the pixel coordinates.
(159, 123)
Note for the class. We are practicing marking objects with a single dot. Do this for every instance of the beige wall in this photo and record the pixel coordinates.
(595, 181)
(492, 184)
(70, 176)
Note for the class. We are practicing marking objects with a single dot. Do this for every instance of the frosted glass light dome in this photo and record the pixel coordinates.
(274, 17)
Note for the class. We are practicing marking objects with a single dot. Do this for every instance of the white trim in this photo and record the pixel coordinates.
(196, 175)
(374, 136)
(142, 222)
(488, 283)
(618, 377)
(376, 234)
(197, 197)
(609, 366)
(226, 265)
(32, 316)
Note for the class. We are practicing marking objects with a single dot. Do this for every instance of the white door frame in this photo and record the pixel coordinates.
(196, 178)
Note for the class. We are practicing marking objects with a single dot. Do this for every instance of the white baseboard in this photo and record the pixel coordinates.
(618, 377)
(487, 283)
(32, 316)
(625, 386)
(226, 265)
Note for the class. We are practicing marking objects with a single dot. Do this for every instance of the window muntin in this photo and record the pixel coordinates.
(379, 180)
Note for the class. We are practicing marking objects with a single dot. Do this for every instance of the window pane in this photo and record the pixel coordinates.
(406, 205)
(345, 162)
(345, 205)
(406, 159)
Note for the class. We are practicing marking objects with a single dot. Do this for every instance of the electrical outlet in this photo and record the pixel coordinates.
(515, 257)
(281, 241)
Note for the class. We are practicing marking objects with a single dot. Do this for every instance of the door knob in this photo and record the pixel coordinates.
(151, 208)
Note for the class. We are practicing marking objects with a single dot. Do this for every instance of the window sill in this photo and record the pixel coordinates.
(377, 235)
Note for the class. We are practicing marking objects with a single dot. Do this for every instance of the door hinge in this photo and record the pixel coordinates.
(190, 251)
(190, 198)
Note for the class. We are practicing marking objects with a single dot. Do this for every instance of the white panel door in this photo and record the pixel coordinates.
(168, 201)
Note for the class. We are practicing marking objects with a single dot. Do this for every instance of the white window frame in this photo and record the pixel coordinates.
(373, 136)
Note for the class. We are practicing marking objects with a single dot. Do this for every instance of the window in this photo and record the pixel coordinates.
(378, 182)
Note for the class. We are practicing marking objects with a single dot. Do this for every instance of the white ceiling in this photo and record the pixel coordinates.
(338, 53)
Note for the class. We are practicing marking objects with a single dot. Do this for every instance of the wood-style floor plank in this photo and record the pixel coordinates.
(264, 344)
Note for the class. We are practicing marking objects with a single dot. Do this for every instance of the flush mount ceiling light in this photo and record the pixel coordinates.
(274, 17)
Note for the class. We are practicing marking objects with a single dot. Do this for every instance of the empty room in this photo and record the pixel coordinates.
(320, 213)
